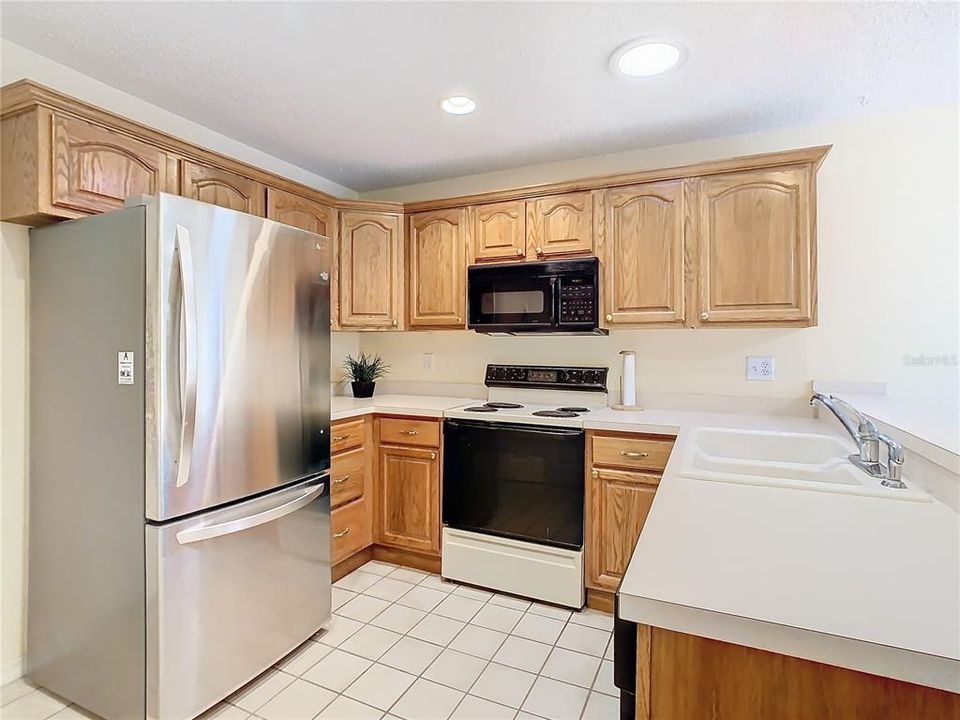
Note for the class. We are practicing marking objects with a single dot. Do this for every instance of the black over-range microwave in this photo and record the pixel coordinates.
(555, 296)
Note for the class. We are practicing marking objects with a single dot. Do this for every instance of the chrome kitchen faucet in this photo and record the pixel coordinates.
(868, 439)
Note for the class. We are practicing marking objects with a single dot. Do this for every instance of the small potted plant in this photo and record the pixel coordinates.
(363, 372)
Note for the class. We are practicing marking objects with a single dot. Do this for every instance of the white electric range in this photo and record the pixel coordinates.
(513, 482)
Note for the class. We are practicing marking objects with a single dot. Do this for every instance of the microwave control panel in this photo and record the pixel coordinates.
(578, 300)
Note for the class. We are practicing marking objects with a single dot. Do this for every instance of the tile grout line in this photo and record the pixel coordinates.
(487, 661)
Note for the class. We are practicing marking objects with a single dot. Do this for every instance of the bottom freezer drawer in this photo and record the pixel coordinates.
(230, 592)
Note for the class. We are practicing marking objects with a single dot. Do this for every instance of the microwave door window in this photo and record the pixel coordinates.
(514, 304)
(523, 303)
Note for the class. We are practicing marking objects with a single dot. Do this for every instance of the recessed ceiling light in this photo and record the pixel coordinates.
(459, 105)
(645, 58)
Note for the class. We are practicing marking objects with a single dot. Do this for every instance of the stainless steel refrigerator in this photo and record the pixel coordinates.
(179, 506)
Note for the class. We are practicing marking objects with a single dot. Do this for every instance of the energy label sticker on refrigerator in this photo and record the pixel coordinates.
(125, 367)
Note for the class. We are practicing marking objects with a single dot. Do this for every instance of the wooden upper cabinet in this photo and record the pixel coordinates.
(642, 253)
(560, 225)
(499, 231)
(95, 169)
(619, 503)
(371, 279)
(300, 212)
(409, 502)
(220, 187)
(436, 267)
(757, 249)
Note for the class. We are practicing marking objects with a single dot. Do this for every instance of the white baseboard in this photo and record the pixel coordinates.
(11, 671)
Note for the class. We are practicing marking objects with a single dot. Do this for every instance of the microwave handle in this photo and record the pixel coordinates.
(555, 300)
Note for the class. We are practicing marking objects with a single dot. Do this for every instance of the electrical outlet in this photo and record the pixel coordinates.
(760, 368)
(429, 361)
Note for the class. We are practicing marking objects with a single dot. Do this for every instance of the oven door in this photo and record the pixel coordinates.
(516, 481)
(510, 301)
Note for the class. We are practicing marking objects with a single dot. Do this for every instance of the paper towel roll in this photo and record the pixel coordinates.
(628, 380)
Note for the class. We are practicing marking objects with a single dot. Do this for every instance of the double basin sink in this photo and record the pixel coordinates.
(802, 461)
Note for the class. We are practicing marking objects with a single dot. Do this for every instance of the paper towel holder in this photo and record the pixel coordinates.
(628, 358)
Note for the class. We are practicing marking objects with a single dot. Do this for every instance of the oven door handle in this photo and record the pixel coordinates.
(516, 427)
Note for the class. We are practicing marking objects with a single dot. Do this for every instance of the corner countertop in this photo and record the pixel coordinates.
(865, 583)
(343, 407)
(871, 584)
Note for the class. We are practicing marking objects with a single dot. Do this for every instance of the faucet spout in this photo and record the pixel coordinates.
(868, 439)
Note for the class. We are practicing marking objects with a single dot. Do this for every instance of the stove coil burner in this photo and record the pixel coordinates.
(573, 409)
(480, 408)
(502, 405)
(555, 413)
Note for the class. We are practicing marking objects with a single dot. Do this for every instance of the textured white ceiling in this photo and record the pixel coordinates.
(350, 90)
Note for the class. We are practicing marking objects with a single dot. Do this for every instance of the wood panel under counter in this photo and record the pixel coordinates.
(685, 677)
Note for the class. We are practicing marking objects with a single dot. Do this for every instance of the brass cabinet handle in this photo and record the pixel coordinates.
(341, 534)
(394, 323)
(596, 473)
(459, 319)
(627, 453)
(433, 456)
(519, 252)
(704, 315)
(539, 251)
(338, 438)
(609, 317)
(341, 480)
(408, 432)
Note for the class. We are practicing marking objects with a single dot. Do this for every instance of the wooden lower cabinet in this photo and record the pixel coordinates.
(619, 504)
(623, 473)
(685, 677)
(350, 530)
(409, 498)
(351, 488)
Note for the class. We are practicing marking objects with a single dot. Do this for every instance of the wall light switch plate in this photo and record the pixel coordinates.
(760, 368)
(429, 361)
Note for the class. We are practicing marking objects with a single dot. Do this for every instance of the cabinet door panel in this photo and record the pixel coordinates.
(300, 212)
(642, 253)
(499, 231)
(756, 246)
(410, 499)
(220, 187)
(560, 225)
(350, 530)
(95, 169)
(370, 262)
(620, 502)
(437, 269)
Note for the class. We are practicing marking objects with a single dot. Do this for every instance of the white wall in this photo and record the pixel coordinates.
(14, 259)
(17, 63)
(888, 264)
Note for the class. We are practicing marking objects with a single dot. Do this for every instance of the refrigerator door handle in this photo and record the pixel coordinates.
(189, 410)
(205, 532)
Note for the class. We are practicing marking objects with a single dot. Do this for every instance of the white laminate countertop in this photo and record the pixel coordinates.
(871, 584)
(342, 407)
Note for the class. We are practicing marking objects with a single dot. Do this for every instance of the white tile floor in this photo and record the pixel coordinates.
(405, 644)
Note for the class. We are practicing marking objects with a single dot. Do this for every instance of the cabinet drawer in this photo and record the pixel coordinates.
(350, 530)
(400, 431)
(347, 474)
(346, 435)
(641, 453)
